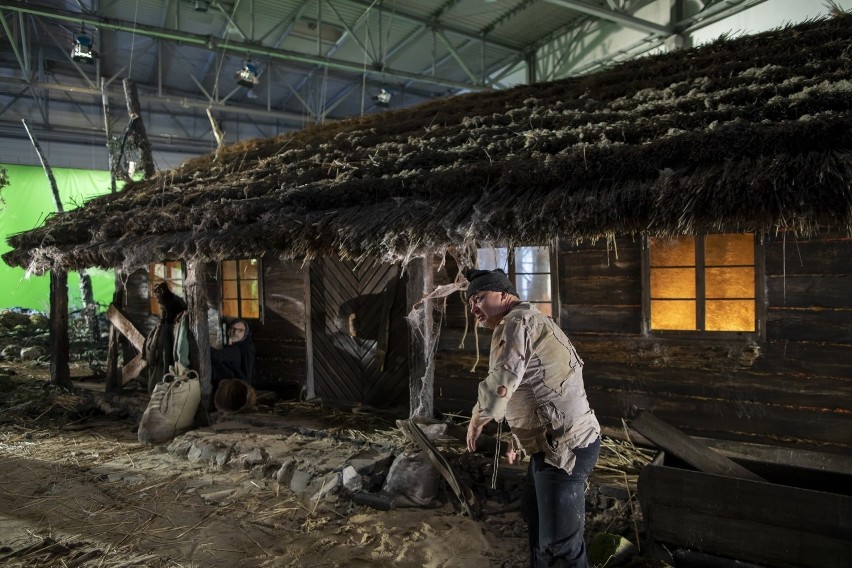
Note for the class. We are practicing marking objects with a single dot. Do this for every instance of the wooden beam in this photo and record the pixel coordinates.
(132, 369)
(693, 452)
(126, 327)
(60, 373)
(196, 308)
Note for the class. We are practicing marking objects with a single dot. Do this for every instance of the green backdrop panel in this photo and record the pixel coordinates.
(28, 199)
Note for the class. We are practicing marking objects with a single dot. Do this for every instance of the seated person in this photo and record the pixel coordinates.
(236, 359)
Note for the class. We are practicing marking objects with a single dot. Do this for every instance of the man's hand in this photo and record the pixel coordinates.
(474, 429)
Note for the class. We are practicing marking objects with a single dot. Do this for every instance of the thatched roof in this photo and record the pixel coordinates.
(745, 134)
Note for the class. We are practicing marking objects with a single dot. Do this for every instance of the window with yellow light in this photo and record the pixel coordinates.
(703, 283)
(170, 272)
(241, 288)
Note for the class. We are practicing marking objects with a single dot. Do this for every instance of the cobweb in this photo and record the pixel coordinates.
(424, 320)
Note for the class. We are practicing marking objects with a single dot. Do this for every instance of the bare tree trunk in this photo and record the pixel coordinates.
(89, 309)
(132, 97)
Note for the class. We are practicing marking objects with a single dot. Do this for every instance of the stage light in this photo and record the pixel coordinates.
(383, 98)
(247, 76)
(83, 50)
(201, 5)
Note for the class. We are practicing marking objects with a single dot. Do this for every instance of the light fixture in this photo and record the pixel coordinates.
(83, 50)
(201, 5)
(383, 98)
(247, 76)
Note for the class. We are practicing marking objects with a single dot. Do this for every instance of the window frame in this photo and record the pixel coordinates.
(700, 270)
(221, 289)
(151, 270)
(552, 250)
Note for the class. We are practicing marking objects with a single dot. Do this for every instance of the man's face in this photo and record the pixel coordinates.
(488, 308)
(236, 333)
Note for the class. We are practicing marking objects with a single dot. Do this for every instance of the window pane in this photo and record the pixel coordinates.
(177, 287)
(248, 269)
(158, 271)
(248, 289)
(672, 252)
(672, 283)
(725, 250)
(229, 269)
(491, 258)
(729, 282)
(544, 307)
(230, 308)
(532, 259)
(533, 287)
(673, 314)
(174, 271)
(229, 289)
(729, 315)
(250, 309)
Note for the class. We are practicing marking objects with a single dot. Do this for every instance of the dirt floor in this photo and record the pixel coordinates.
(78, 489)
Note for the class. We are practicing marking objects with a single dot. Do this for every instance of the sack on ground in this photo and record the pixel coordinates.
(172, 407)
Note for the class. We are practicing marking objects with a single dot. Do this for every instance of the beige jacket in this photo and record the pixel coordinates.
(545, 403)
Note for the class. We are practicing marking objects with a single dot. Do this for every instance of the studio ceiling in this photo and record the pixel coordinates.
(316, 59)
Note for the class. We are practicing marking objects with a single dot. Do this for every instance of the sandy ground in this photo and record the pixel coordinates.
(79, 490)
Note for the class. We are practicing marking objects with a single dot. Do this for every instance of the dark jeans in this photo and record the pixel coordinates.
(554, 507)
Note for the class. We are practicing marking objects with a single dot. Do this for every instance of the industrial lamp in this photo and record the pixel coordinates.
(83, 50)
(247, 76)
(201, 5)
(383, 98)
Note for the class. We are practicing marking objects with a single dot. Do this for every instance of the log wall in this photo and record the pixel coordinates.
(791, 387)
(279, 338)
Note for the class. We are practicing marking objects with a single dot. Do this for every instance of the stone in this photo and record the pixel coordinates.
(32, 353)
(194, 453)
(320, 487)
(11, 352)
(254, 457)
(299, 481)
(351, 479)
(285, 472)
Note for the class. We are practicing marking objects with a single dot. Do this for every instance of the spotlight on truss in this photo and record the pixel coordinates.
(201, 5)
(83, 49)
(247, 76)
(383, 98)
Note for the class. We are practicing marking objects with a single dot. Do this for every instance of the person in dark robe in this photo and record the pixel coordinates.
(236, 359)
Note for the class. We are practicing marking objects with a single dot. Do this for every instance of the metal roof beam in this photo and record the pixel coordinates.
(176, 101)
(241, 48)
(621, 18)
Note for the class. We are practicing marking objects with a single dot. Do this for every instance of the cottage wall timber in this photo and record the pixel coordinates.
(788, 388)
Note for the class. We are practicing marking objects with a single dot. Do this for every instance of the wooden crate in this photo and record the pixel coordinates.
(796, 518)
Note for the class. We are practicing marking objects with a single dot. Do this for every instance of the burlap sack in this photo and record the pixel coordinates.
(171, 409)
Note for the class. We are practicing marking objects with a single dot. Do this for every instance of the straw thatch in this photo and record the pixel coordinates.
(743, 134)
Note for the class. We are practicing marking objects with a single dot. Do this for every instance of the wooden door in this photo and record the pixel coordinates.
(359, 334)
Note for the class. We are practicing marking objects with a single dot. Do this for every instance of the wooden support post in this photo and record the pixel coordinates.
(310, 386)
(60, 373)
(196, 307)
(421, 356)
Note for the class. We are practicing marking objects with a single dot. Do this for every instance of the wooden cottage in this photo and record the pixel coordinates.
(685, 217)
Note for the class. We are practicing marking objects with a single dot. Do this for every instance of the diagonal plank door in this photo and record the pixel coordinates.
(359, 334)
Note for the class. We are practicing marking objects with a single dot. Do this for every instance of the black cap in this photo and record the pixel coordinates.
(489, 281)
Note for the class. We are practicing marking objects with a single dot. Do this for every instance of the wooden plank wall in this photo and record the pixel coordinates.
(279, 338)
(791, 388)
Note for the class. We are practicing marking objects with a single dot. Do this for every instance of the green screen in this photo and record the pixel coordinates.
(27, 200)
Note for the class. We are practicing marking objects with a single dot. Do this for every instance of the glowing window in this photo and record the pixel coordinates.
(170, 272)
(528, 268)
(241, 288)
(704, 283)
